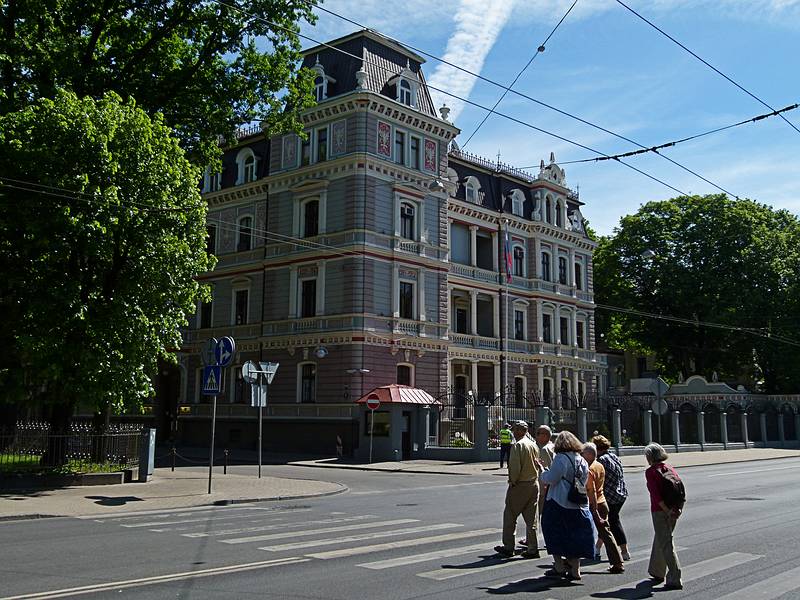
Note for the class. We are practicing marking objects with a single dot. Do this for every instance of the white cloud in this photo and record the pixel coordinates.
(478, 23)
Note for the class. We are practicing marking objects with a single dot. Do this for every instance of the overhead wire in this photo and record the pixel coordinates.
(539, 50)
(705, 62)
(508, 89)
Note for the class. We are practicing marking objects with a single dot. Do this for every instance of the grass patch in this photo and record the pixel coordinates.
(30, 464)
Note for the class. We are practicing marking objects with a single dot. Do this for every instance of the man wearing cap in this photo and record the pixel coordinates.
(505, 443)
(523, 493)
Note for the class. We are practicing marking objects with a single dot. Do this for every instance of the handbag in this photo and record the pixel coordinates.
(577, 490)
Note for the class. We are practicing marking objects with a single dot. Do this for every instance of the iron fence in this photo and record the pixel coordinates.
(34, 448)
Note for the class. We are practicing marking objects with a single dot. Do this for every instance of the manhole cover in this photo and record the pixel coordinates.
(745, 498)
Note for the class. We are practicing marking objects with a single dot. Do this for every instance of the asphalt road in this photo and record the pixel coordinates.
(401, 536)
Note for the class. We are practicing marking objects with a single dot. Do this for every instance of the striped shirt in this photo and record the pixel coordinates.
(614, 487)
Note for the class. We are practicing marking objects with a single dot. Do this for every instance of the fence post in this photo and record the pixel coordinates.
(481, 447)
(583, 426)
(225, 463)
(147, 454)
(762, 421)
(723, 428)
(676, 430)
(173, 458)
(745, 436)
(797, 427)
(616, 428)
(701, 429)
(648, 426)
(542, 416)
(781, 430)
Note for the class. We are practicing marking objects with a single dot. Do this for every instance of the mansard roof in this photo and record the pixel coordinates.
(381, 57)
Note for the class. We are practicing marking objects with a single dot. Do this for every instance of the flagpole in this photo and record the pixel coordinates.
(507, 258)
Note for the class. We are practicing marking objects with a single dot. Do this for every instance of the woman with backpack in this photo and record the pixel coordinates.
(666, 504)
(615, 491)
(566, 521)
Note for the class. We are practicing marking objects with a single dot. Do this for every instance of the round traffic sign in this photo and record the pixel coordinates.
(248, 372)
(373, 402)
(224, 351)
(659, 406)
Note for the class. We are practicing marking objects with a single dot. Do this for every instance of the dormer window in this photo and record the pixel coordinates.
(472, 190)
(245, 166)
(321, 82)
(406, 83)
(404, 94)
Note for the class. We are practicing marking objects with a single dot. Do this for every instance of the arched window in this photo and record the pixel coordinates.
(246, 163)
(519, 261)
(545, 266)
(244, 240)
(559, 220)
(472, 190)
(404, 95)
(408, 222)
(578, 276)
(548, 210)
(562, 270)
(518, 203)
(319, 88)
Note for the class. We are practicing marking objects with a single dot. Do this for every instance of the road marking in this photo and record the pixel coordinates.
(767, 589)
(418, 558)
(430, 487)
(737, 473)
(322, 531)
(119, 516)
(200, 520)
(359, 538)
(275, 526)
(144, 581)
(600, 569)
(695, 571)
(448, 537)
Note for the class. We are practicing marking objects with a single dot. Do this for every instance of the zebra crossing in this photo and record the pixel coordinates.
(413, 544)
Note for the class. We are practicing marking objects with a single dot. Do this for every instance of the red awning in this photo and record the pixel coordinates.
(399, 394)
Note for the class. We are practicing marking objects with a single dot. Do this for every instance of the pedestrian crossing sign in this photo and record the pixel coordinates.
(212, 380)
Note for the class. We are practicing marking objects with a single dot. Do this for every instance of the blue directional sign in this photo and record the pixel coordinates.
(212, 380)
(225, 350)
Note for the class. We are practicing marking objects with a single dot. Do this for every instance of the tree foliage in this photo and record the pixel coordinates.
(99, 258)
(206, 66)
(706, 259)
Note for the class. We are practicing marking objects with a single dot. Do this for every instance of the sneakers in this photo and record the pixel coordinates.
(503, 551)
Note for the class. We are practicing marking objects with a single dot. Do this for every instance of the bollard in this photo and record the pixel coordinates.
(225, 465)
(173, 459)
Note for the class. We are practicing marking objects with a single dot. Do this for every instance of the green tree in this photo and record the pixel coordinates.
(100, 256)
(712, 259)
(208, 67)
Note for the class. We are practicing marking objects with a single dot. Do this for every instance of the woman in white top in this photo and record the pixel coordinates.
(567, 526)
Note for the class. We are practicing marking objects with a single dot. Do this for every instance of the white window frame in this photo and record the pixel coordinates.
(295, 291)
(420, 157)
(212, 182)
(414, 302)
(303, 207)
(549, 312)
(200, 311)
(239, 220)
(298, 212)
(241, 160)
(419, 221)
(299, 382)
(234, 290)
(518, 203)
(405, 92)
(522, 306)
(300, 282)
(399, 160)
(413, 375)
(549, 255)
(559, 217)
(315, 150)
(524, 386)
(474, 185)
(521, 246)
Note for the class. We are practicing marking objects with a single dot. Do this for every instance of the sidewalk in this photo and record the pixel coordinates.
(631, 463)
(185, 487)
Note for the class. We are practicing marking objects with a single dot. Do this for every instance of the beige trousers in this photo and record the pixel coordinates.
(663, 559)
(521, 499)
(604, 533)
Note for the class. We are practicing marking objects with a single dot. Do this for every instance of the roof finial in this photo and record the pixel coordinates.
(552, 158)
(444, 111)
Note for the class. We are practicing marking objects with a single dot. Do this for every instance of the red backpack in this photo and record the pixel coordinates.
(673, 492)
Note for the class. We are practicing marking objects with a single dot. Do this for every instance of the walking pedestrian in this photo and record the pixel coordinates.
(599, 508)
(543, 436)
(505, 443)
(566, 521)
(522, 494)
(666, 506)
(615, 491)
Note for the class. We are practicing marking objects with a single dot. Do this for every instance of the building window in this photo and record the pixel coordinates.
(246, 164)
(548, 210)
(205, 314)
(308, 383)
(308, 298)
(517, 203)
(578, 276)
(404, 375)
(322, 144)
(415, 152)
(311, 218)
(245, 238)
(559, 221)
(319, 88)
(579, 334)
(241, 298)
(211, 239)
(562, 270)
(547, 329)
(461, 322)
(545, 266)
(564, 331)
(519, 262)
(250, 168)
(472, 190)
(305, 150)
(547, 390)
(399, 147)
(519, 391)
(581, 390)
(407, 221)
(404, 93)
(406, 300)
(519, 324)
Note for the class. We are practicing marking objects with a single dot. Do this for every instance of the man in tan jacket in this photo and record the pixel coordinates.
(522, 495)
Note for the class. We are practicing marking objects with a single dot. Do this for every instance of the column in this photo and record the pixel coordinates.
(762, 421)
(496, 316)
(745, 437)
(573, 326)
(701, 429)
(539, 323)
(537, 258)
(293, 312)
(571, 267)
(473, 376)
(557, 325)
(396, 291)
(616, 429)
(648, 426)
(421, 294)
(473, 245)
(540, 380)
(574, 382)
(320, 299)
(676, 429)
(498, 385)
(481, 447)
(473, 312)
(781, 431)
(495, 260)
(797, 427)
(583, 426)
(723, 428)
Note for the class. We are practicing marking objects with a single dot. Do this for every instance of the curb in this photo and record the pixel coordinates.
(376, 470)
(30, 517)
(342, 490)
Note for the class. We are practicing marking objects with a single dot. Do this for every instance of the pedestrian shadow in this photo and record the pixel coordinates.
(484, 561)
(114, 500)
(643, 589)
(533, 584)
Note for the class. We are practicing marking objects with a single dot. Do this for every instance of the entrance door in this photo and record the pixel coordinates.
(406, 435)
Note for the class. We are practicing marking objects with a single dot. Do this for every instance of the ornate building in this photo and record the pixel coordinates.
(372, 251)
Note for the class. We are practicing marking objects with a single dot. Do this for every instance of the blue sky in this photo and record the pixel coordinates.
(608, 67)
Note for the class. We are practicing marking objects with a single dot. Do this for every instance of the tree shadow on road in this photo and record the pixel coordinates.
(114, 500)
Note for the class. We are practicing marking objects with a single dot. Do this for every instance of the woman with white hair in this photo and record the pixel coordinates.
(566, 521)
(665, 508)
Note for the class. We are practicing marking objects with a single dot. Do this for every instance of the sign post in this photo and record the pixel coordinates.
(258, 393)
(373, 404)
(224, 349)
